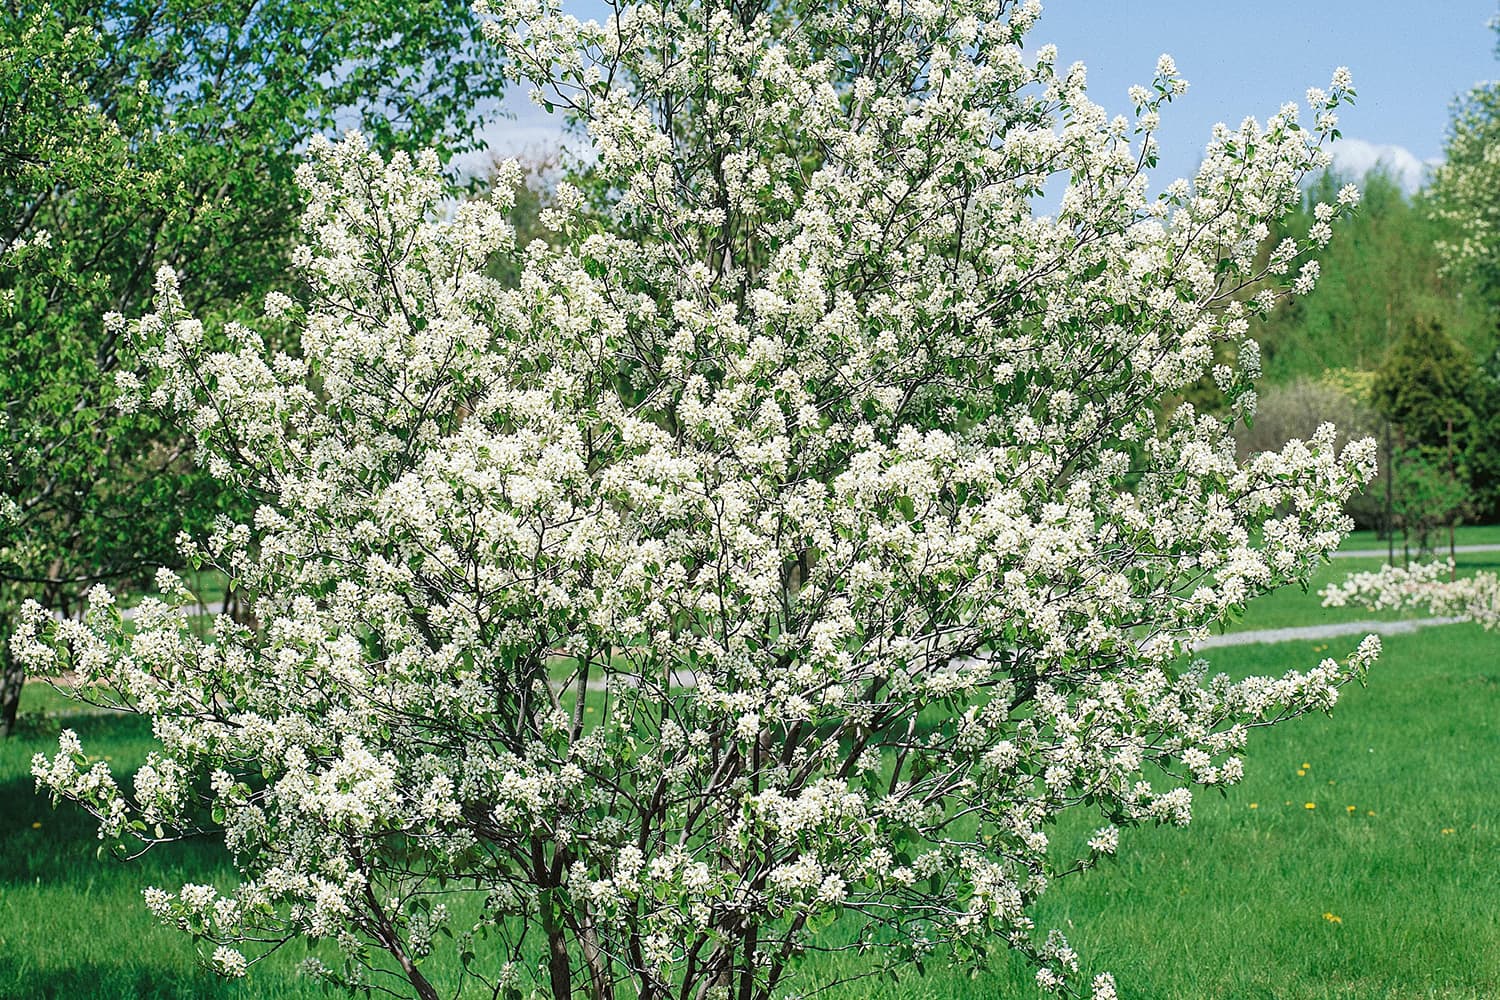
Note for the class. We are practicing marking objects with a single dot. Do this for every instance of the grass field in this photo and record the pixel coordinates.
(1234, 906)
(1399, 846)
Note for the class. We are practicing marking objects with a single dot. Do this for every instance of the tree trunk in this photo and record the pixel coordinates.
(548, 879)
(11, 679)
(601, 987)
(559, 968)
(425, 990)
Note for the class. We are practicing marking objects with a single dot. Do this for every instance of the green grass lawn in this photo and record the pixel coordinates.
(1234, 906)
(73, 925)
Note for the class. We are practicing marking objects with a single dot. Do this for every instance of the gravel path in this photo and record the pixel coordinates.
(1437, 553)
(1312, 633)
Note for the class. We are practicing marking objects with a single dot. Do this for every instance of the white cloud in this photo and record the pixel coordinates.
(508, 138)
(1358, 157)
(530, 133)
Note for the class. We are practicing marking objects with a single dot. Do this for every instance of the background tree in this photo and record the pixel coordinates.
(1380, 274)
(1483, 456)
(134, 133)
(1465, 199)
(1427, 388)
(1293, 410)
(1430, 494)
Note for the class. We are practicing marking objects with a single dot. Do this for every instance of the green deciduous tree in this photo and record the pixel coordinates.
(1380, 273)
(1430, 494)
(1427, 387)
(138, 133)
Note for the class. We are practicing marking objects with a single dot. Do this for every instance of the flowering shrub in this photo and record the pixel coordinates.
(1429, 587)
(1464, 184)
(795, 542)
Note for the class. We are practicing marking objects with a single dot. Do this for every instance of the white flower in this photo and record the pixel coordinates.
(748, 726)
(1306, 278)
(229, 963)
(1105, 840)
(277, 305)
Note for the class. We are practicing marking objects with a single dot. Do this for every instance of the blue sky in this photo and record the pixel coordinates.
(1409, 61)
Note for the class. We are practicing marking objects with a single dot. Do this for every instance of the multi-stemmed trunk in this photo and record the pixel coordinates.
(12, 677)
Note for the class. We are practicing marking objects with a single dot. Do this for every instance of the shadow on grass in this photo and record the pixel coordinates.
(97, 980)
(65, 847)
(66, 840)
(42, 845)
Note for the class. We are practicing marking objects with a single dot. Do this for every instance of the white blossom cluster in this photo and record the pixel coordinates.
(1463, 187)
(1429, 587)
(799, 537)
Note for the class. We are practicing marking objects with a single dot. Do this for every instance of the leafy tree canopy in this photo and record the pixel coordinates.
(139, 133)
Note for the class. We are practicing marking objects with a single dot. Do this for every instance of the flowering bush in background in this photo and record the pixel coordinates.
(1464, 186)
(1429, 587)
(796, 540)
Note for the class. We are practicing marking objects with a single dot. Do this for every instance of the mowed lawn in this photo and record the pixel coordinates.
(1371, 874)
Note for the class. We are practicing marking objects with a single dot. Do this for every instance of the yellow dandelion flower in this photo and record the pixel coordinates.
(1306, 764)
(1370, 812)
(1447, 830)
(1301, 773)
(36, 826)
(1349, 809)
(1309, 805)
(1255, 805)
(1333, 918)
